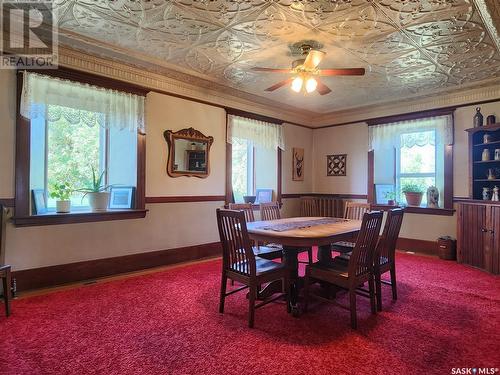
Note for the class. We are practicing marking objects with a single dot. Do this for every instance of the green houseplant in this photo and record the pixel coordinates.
(62, 193)
(391, 198)
(97, 192)
(413, 193)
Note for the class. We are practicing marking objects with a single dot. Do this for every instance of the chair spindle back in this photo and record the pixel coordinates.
(387, 244)
(361, 260)
(309, 206)
(246, 208)
(237, 253)
(356, 210)
(270, 211)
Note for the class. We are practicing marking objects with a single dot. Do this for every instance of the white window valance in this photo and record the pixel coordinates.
(90, 105)
(387, 136)
(262, 134)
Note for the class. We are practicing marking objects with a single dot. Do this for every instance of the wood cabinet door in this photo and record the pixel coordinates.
(492, 251)
(472, 234)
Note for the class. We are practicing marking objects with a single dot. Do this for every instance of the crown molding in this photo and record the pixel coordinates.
(489, 11)
(487, 91)
(160, 82)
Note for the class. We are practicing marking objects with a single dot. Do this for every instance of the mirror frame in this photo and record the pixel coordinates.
(189, 134)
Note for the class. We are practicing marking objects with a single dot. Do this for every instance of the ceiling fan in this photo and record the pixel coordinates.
(305, 72)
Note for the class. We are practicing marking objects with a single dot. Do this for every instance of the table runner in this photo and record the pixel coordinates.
(283, 227)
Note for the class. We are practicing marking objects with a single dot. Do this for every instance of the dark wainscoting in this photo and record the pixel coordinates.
(73, 272)
(417, 246)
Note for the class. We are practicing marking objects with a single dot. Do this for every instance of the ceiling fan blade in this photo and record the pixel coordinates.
(322, 89)
(280, 84)
(271, 70)
(313, 59)
(342, 72)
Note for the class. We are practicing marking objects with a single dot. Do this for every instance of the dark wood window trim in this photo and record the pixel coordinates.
(447, 195)
(22, 168)
(229, 159)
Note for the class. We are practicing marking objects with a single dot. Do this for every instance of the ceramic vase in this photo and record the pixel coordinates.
(485, 155)
(486, 193)
(478, 118)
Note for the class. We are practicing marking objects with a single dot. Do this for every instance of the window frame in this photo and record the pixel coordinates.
(447, 194)
(229, 159)
(22, 216)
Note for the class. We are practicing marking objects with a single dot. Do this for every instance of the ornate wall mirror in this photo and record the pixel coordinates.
(188, 153)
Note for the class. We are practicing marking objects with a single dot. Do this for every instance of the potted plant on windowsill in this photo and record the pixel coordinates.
(62, 193)
(391, 198)
(97, 192)
(413, 193)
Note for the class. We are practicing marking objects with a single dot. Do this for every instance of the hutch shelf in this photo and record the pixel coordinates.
(479, 217)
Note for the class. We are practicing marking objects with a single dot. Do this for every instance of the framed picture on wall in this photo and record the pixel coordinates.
(263, 195)
(38, 202)
(384, 192)
(298, 164)
(122, 197)
(336, 165)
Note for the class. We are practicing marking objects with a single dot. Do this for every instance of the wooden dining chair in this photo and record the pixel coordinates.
(247, 208)
(309, 206)
(5, 270)
(352, 211)
(240, 264)
(358, 271)
(385, 253)
(271, 211)
(273, 251)
(355, 210)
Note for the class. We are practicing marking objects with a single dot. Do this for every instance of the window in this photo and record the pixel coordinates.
(67, 131)
(63, 151)
(254, 156)
(416, 162)
(412, 153)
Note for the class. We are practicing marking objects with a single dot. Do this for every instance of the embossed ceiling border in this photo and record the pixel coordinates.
(87, 62)
(489, 10)
(157, 82)
(462, 97)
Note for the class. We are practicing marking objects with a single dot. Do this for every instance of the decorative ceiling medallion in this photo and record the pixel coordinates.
(408, 47)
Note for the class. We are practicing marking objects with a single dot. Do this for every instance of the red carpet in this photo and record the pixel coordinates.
(447, 316)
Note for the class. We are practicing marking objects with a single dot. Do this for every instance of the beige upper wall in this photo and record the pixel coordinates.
(351, 140)
(170, 113)
(298, 137)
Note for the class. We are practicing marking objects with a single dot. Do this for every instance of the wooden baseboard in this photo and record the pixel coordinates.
(44, 277)
(418, 246)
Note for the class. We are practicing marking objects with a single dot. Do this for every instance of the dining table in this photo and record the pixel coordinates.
(297, 234)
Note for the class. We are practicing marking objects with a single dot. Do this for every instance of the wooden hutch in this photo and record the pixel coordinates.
(479, 217)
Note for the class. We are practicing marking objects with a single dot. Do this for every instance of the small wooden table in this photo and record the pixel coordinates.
(319, 234)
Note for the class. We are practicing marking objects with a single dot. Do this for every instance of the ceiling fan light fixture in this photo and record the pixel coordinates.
(311, 84)
(297, 84)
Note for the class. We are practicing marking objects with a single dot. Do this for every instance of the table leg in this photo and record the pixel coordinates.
(290, 258)
(324, 254)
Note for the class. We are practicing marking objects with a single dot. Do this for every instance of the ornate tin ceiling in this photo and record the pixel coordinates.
(409, 47)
